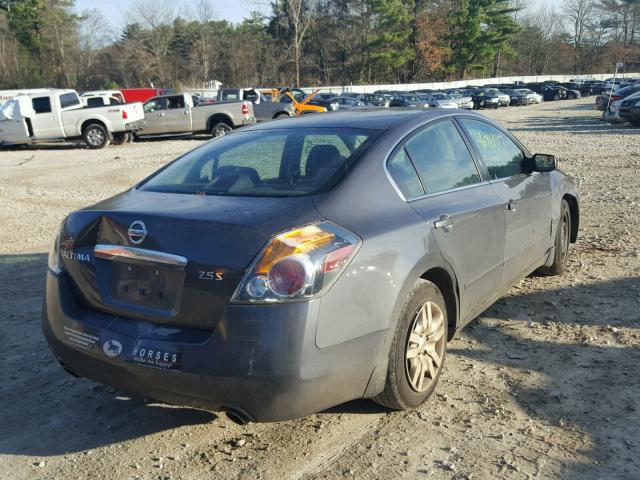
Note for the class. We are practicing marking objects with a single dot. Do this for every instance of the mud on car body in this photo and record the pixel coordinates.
(295, 265)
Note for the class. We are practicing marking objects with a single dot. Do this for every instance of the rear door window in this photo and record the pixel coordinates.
(175, 102)
(41, 104)
(441, 158)
(404, 174)
(500, 154)
(95, 102)
(69, 100)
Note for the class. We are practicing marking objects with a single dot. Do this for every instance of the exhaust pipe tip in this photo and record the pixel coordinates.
(236, 415)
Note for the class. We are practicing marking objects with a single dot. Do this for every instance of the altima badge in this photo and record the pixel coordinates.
(137, 232)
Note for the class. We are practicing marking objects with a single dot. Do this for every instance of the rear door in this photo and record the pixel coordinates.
(526, 198)
(457, 205)
(177, 117)
(45, 123)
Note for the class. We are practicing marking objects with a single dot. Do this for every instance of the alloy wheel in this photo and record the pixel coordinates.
(424, 351)
(95, 136)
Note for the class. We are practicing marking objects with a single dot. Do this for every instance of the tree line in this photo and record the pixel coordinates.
(45, 43)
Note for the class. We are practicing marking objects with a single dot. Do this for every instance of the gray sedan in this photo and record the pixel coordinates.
(296, 265)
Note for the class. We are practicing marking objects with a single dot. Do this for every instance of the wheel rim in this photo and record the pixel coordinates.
(95, 136)
(425, 347)
(564, 236)
(220, 131)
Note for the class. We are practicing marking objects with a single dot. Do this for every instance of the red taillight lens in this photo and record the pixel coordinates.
(288, 277)
(125, 115)
(245, 109)
(336, 259)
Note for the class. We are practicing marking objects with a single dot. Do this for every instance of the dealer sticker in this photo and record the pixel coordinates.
(150, 356)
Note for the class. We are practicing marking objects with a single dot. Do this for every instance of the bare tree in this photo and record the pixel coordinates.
(93, 36)
(157, 17)
(296, 16)
(579, 14)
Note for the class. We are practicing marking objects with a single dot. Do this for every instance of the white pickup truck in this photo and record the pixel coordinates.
(184, 113)
(59, 115)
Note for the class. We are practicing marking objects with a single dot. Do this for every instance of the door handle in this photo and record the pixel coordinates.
(511, 206)
(161, 114)
(445, 222)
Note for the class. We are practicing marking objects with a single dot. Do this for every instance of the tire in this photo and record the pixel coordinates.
(556, 97)
(119, 138)
(281, 116)
(95, 136)
(401, 391)
(563, 240)
(220, 129)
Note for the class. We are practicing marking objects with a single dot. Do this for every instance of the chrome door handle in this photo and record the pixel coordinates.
(161, 114)
(445, 222)
(511, 206)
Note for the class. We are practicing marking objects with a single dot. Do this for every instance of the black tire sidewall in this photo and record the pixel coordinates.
(424, 292)
(119, 139)
(561, 257)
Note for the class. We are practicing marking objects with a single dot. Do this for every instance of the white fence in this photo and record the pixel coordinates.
(208, 92)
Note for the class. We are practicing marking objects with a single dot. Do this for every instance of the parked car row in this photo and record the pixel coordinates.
(100, 118)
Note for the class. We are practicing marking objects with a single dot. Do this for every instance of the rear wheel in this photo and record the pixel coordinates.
(563, 240)
(281, 116)
(95, 136)
(120, 138)
(220, 129)
(418, 349)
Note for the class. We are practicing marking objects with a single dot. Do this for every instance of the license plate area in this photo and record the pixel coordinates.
(147, 286)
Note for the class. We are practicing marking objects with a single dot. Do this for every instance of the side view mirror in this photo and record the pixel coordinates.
(542, 162)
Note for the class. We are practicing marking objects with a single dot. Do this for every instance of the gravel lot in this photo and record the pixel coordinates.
(544, 384)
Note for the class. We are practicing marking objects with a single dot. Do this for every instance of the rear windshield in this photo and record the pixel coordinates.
(265, 163)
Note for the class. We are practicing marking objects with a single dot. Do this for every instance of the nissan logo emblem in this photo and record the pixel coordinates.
(137, 232)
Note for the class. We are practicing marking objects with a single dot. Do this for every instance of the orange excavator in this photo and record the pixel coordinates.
(295, 96)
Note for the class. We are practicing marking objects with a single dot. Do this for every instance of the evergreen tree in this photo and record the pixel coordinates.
(390, 44)
(481, 29)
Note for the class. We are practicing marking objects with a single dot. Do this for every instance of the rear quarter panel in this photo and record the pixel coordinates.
(397, 248)
(201, 115)
(111, 117)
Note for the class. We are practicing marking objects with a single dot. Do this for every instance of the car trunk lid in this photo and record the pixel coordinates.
(171, 258)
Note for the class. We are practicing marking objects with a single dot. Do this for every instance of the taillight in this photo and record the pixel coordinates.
(298, 264)
(125, 115)
(54, 260)
(245, 109)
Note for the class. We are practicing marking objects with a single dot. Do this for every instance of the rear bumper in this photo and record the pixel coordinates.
(134, 126)
(260, 360)
(630, 114)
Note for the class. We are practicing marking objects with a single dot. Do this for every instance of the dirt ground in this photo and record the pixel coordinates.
(544, 384)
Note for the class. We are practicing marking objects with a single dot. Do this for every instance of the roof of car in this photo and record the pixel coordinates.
(372, 119)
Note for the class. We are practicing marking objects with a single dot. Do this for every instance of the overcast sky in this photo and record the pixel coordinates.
(232, 10)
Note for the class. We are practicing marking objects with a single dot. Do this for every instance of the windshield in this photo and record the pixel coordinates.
(265, 163)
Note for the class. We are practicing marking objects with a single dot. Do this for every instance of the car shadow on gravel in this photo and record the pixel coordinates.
(573, 125)
(44, 146)
(582, 340)
(44, 410)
